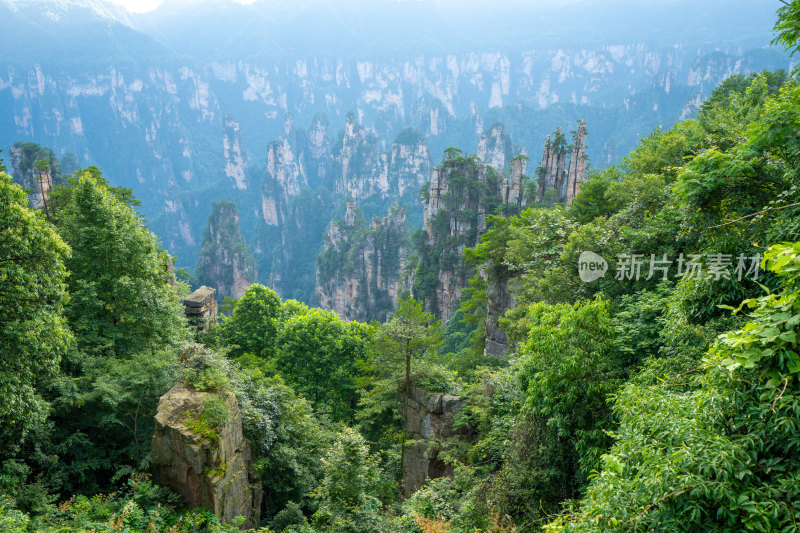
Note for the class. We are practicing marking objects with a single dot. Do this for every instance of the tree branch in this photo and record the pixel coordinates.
(785, 382)
(671, 494)
(759, 212)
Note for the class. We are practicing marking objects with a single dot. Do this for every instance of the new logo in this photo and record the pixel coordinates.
(591, 267)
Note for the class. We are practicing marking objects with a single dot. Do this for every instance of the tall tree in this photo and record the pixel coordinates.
(318, 355)
(788, 26)
(253, 327)
(121, 301)
(409, 334)
(348, 492)
(33, 333)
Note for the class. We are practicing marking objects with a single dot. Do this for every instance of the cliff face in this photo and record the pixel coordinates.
(225, 262)
(428, 418)
(498, 300)
(495, 148)
(295, 244)
(463, 191)
(410, 163)
(360, 168)
(318, 156)
(551, 171)
(577, 163)
(285, 162)
(360, 271)
(234, 155)
(215, 472)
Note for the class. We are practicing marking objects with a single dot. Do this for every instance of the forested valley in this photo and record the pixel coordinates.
(650, 381)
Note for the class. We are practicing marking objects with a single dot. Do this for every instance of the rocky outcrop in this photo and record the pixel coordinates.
(284, 162)
(551, 172)
(233, 152)
(225, 262)
(213, 470)
(292, 266)
(318, 155)
(200, 308)
(360, 167)
(494, 147)
(498, 301)
(296, 160)
(34, 168)
(428, 418)
(409, 164)
(577, 163)
(556, 184)
(513, 189)
(360, 272)
(454, 218)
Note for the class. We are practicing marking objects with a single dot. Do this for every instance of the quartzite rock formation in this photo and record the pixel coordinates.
(215, 474)
(32, 168)
(460, 210)
(235, 157)
(200, 308)
(359, 273)
(552, 174)
(498, 301)
(225, 261)
(429, 418)
(577, 164)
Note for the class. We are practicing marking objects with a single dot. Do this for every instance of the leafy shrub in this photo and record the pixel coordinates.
(212, 415)
(203, 369)
(291, 515)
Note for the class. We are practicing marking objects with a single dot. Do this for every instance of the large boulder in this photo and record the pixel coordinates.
(208, 465)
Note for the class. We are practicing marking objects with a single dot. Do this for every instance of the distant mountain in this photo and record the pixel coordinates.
(195, 102)
(72, 35)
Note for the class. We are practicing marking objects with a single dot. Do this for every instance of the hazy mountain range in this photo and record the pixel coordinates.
(182, 103)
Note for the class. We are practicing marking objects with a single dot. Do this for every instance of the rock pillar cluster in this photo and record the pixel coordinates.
(360, 271)
(225, 261)
(553, 173)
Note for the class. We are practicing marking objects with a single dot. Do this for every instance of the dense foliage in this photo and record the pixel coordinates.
(651, 381)
(33, 332)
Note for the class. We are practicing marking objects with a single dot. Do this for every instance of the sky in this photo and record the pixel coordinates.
(139, 6)
(143, 6)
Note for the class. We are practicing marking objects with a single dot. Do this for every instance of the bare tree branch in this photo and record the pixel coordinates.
(754, 214)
